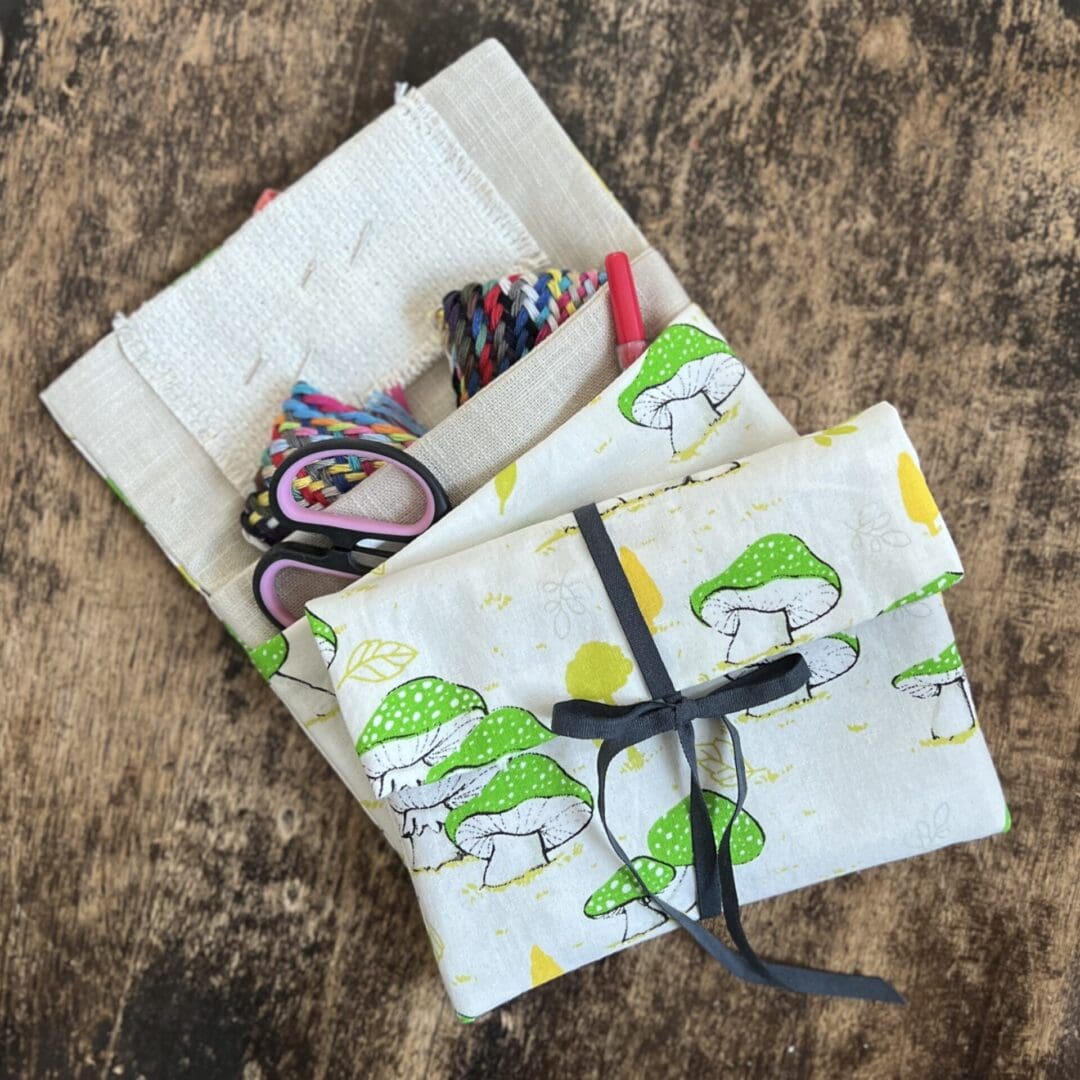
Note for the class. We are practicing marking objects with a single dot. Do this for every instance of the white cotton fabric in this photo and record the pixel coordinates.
(851, 778)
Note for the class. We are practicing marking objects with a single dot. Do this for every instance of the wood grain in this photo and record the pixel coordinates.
(874, 200)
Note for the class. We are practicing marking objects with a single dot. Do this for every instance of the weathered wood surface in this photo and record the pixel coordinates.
(875, 201)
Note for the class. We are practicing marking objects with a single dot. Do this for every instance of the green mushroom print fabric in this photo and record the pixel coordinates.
(609, 454)
(877, 757)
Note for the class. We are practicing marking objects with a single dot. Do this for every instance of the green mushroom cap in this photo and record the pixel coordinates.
(322, 629)
(531, 776)
(623, 888)
(270, 655)
(501, 732)
(849, 640)
(776, 556)
(938, 670)
(939, 584)
(416, 707)
(670, 838)
(675, 346)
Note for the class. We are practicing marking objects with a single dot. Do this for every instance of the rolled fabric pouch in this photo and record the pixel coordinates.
(496, 814)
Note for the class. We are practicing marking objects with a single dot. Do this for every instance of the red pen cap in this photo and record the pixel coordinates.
(624, 301)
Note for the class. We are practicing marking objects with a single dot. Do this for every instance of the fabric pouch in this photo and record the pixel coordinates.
(496, 815)
(336, 280)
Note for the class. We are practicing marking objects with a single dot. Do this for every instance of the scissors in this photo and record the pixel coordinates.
(356, 544)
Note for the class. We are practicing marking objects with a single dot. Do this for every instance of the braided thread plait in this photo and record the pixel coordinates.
(309, 417)
(489, 326)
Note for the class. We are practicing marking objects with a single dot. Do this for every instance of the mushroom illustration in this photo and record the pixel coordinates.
(681, 382)
(325, 638)
(525, 811)
(668, 869)
(776, 586)
(670, 839)
(929, 678)
(417, 725)
(939, 584)
(457, 779)
(827, 658)
(272, 661)
(621, 897)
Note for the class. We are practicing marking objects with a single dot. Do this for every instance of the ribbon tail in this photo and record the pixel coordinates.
(706, 872)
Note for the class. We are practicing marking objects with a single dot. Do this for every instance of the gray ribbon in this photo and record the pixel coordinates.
(619, 727)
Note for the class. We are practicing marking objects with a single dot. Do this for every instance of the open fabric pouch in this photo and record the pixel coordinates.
(336, 282)
(498, 816)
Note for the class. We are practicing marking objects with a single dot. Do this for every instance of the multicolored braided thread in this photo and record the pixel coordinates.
(490, 326)
(309, 417)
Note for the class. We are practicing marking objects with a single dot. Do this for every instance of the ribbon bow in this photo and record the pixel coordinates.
(621, 726)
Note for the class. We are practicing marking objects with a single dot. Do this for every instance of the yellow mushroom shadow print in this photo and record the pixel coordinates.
(667, 871)
(504, 485)
(542, 968)
(918, 502)
(825, 438)
(598, 672)
(775, 587)
(683, 379)
(649, 599)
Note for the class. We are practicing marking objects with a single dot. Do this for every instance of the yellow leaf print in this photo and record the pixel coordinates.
(375, 661)
(825, 438)
(541, 966)
(918, 502)
(648, 596)
(597, 672)
(504, 484)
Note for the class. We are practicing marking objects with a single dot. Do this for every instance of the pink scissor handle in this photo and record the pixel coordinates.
(341, 526)
(268, 594)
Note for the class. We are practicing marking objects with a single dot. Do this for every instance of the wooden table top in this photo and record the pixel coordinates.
(871, 205)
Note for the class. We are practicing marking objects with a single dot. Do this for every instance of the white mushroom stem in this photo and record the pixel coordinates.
(639, 918)
(426, 806)
(689, 419)
(405, 762)
(827, 659)
(432, 849)
(691, 399)
(953, 717)
(518, 839)
(681, 893)
(513, 856)
(756, 632)
(326, 650)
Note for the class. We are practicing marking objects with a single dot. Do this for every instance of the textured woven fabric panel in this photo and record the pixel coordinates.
(496, 427)
(180, 460)
(125, 431)
(531, 153)
(334, 282)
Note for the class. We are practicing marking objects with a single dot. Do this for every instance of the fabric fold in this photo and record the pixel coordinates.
(729, 567)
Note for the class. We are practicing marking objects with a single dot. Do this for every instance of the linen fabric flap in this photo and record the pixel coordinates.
(447, 674)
